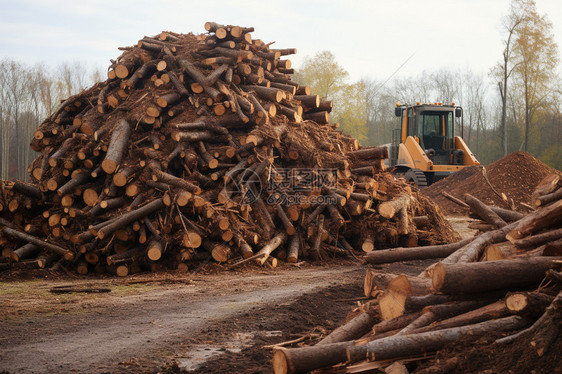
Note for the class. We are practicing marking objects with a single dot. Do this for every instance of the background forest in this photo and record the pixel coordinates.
(517, 105)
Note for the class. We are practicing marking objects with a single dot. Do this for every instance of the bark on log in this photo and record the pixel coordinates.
(485, 313)
(369, 153)
(270, 247)
(130, 217)
(528, 304)
(454, 199)
(68, 255)
(415, 344)
(374, 283)
(117, 147)
(388, 209)
(540, 219)
(539, 239)
(491, 275)
(484, 211)
(414, 253)
(351, 330)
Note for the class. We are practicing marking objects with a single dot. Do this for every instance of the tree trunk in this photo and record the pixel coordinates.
(354, 329)
(68, 255)
(484, 211)
(414, 253)
(117, 147)
(528, 304)
(416, 344)
(491, 275)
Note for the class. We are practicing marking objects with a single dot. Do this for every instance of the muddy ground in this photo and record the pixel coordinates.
(214, 321)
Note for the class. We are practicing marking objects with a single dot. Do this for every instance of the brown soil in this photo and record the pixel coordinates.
(516, 175)
(481, 355)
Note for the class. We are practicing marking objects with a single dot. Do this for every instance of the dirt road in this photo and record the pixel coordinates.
(147, 322)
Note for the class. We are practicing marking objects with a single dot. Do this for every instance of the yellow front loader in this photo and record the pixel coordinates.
(425, 149)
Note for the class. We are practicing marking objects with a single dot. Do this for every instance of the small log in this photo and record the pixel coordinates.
(266, 250)
(549, 198)
(539, 239)
(547, 185)
(487, 312)
(117, 147)
(130, 217)
(374, 283)
(540, 219)
(528, 304)
(388, 209)
(380, 152)
(454, 199)
(293, 251)
(416, 344)
(354, 329)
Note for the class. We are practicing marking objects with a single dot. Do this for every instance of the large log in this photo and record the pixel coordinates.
(369, 153)
(416, 344)
(388, 209)
(539, 239)
(491, 275)
(414, 253)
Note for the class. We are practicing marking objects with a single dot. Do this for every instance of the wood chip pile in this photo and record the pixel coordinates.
(200, 147)
(505, 283)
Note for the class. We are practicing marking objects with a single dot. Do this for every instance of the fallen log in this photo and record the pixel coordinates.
(484, 211)
(68, 255)
(415, 344)
(491, 275)
(354, 329)
(414, 253)
(528, 304)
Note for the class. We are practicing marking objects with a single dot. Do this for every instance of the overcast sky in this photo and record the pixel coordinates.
(369, 38)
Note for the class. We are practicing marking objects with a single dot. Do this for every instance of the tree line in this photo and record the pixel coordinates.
(28, 94)
(519, 110)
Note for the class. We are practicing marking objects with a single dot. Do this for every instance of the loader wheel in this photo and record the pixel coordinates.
(417, 177)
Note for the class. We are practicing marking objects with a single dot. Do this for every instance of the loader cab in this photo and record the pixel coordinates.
(432, 126)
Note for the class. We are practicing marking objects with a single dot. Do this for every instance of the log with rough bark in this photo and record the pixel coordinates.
(414, 253)
(491, 275)
(540, 219)
(415, 344)
(528, 304)
(354, 329)
(484, 211)
(117, 147)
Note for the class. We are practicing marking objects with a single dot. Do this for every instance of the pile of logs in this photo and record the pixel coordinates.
(469, 292)
(200, 147)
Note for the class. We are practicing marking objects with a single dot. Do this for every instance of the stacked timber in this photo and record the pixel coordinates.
(201, 147)
(515, 296)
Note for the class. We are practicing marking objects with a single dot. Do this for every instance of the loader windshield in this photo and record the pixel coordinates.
(435, 129)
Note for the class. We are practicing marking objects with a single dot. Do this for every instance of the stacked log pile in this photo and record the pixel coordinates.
(200, 147)
(468, 293)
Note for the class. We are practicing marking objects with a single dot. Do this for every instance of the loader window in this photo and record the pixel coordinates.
(434, 129)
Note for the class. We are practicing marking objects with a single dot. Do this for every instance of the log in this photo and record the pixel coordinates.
(491, 275)
(507, 215)
(354, 329)
(117, 147)
(454, 199)
(270, 247)
(484, 211)
(305, 359)
(380, 152)
(293, 251)
(388, 209)
(414, 253)
(416, 344)
(374, 283)
(539, 239)
(485, 313)
(549, 198)
(528, 304)
(441, 311)
(130, 217)
(547, 185)
(540, 219)
(68, 255)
